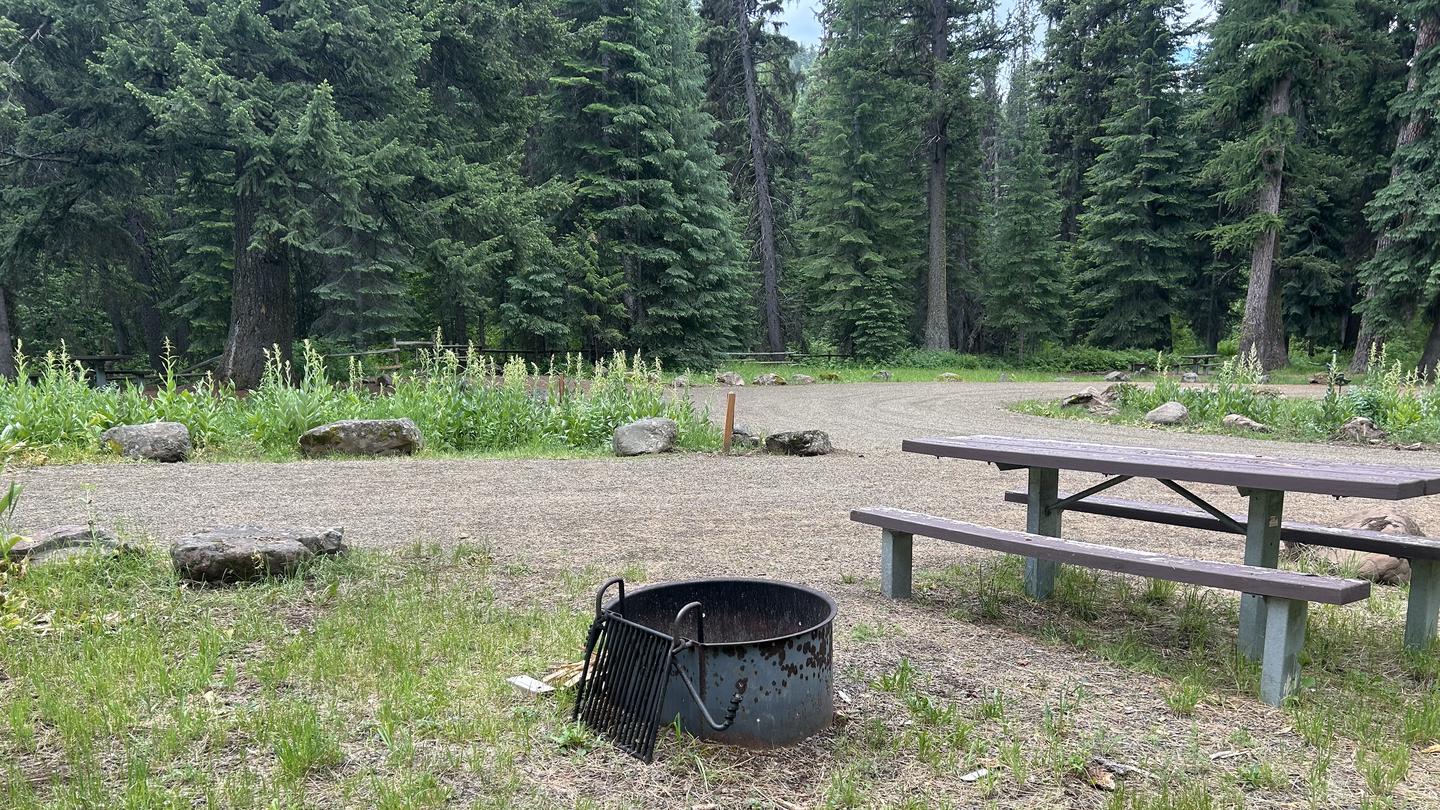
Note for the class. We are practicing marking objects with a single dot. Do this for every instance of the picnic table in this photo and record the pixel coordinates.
(1199, 362)
(1264, 480)
(100, 366)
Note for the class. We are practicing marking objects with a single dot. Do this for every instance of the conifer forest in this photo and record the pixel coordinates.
(683, 178)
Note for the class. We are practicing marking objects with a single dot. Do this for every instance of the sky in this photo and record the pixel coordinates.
(802, 25)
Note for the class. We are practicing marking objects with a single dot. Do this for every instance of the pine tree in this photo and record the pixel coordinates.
(1026, 296)
(629, 130)
(1269, 55)
(1404, 275)
(1130, 258)
(862, 238)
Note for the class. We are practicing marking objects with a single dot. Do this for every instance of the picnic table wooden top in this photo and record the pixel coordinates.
(98, 358)
(1199, 356)
(1230, 469)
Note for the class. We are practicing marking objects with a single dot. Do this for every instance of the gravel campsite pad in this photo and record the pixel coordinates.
(1068, 704)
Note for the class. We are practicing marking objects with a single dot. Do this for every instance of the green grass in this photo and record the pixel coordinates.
(378, 681)
(463, 405)
(855, 373)
(1395, 399)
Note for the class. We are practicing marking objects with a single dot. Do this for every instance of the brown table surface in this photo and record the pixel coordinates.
(1251, 471)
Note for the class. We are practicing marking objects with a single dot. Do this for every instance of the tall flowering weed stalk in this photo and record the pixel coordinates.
(462, 401)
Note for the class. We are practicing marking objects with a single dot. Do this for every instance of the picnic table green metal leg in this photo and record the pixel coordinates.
(895, 549)
(1262, 547)
(1284, 636)
(1424, 604)
(1041, 519)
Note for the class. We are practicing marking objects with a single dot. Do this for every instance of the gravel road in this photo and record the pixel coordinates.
(678, 515)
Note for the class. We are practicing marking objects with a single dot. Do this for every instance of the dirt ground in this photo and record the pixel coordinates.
(700, 515)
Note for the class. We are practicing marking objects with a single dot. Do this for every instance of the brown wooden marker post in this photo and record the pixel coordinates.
(729, 421)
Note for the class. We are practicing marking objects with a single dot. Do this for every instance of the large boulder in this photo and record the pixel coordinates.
(729, 378)
(654, 434)
(949, 376)
(63, 543)
(1190, 377)
(247, 553)
(1100, 403)
(1117, 376)
(1169, 413)
(801, 379)
(363, 437)
(681, 381)
(1360, 429)
(152, 441)
(799, 443)
(1379, 568)
(1241, 422)
(882, 376)
(768, 379)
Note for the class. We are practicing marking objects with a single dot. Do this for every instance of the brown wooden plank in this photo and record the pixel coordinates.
(1257, 472)
(1230, 576)
(1404, 546)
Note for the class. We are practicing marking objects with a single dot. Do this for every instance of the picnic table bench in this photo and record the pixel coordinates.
(101, 367)
(1273, 603)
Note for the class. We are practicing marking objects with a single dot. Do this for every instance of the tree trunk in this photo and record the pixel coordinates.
(261, 302)
(764, 206)
(142, 270)
(1427, 36)
(1263, 329)
(7, 340)
(937, 311)
(1430, 357)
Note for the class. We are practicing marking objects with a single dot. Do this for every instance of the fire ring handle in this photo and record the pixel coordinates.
(600, 597)
(679, 643)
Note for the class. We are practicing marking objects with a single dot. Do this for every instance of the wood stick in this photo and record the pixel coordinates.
(729, 421)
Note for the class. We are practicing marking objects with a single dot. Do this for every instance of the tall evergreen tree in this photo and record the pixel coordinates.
(1026, 301)
(861, 233)
(1404, 275)
(1269, 56)
(1130, 258)
(629, 130)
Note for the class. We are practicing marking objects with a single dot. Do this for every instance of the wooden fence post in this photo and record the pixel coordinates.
(729, 422)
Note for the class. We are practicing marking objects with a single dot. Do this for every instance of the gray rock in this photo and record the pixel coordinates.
(153, 441)
(680, 382)
(729, 378)
(1003, 378)
(1379, 568)
(949, 376)
(1360, 429)
(653, 434)
(1100, 403)
(65, 542)
(1117, 376)
(743, 437)
(247, 553)
(801, 379)
(882, 375)
(768, 379)
(1242, 422)
(1170, 413)
(363, 437)
(1190, 377)
(799, 443)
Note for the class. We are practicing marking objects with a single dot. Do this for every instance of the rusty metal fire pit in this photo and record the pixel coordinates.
(754, 652)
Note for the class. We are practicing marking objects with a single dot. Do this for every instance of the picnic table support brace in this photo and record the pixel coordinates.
(1284, 636)
(895, 556)
(1424, 604)
(1042, 518)
(1262, 548)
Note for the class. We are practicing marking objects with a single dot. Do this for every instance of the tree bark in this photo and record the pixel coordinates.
(261, 303)
(7, 339)
(142, 270)
(764, 205)
(1427, 36)
(1263, 328)
(937, 311)
(1430, 356)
